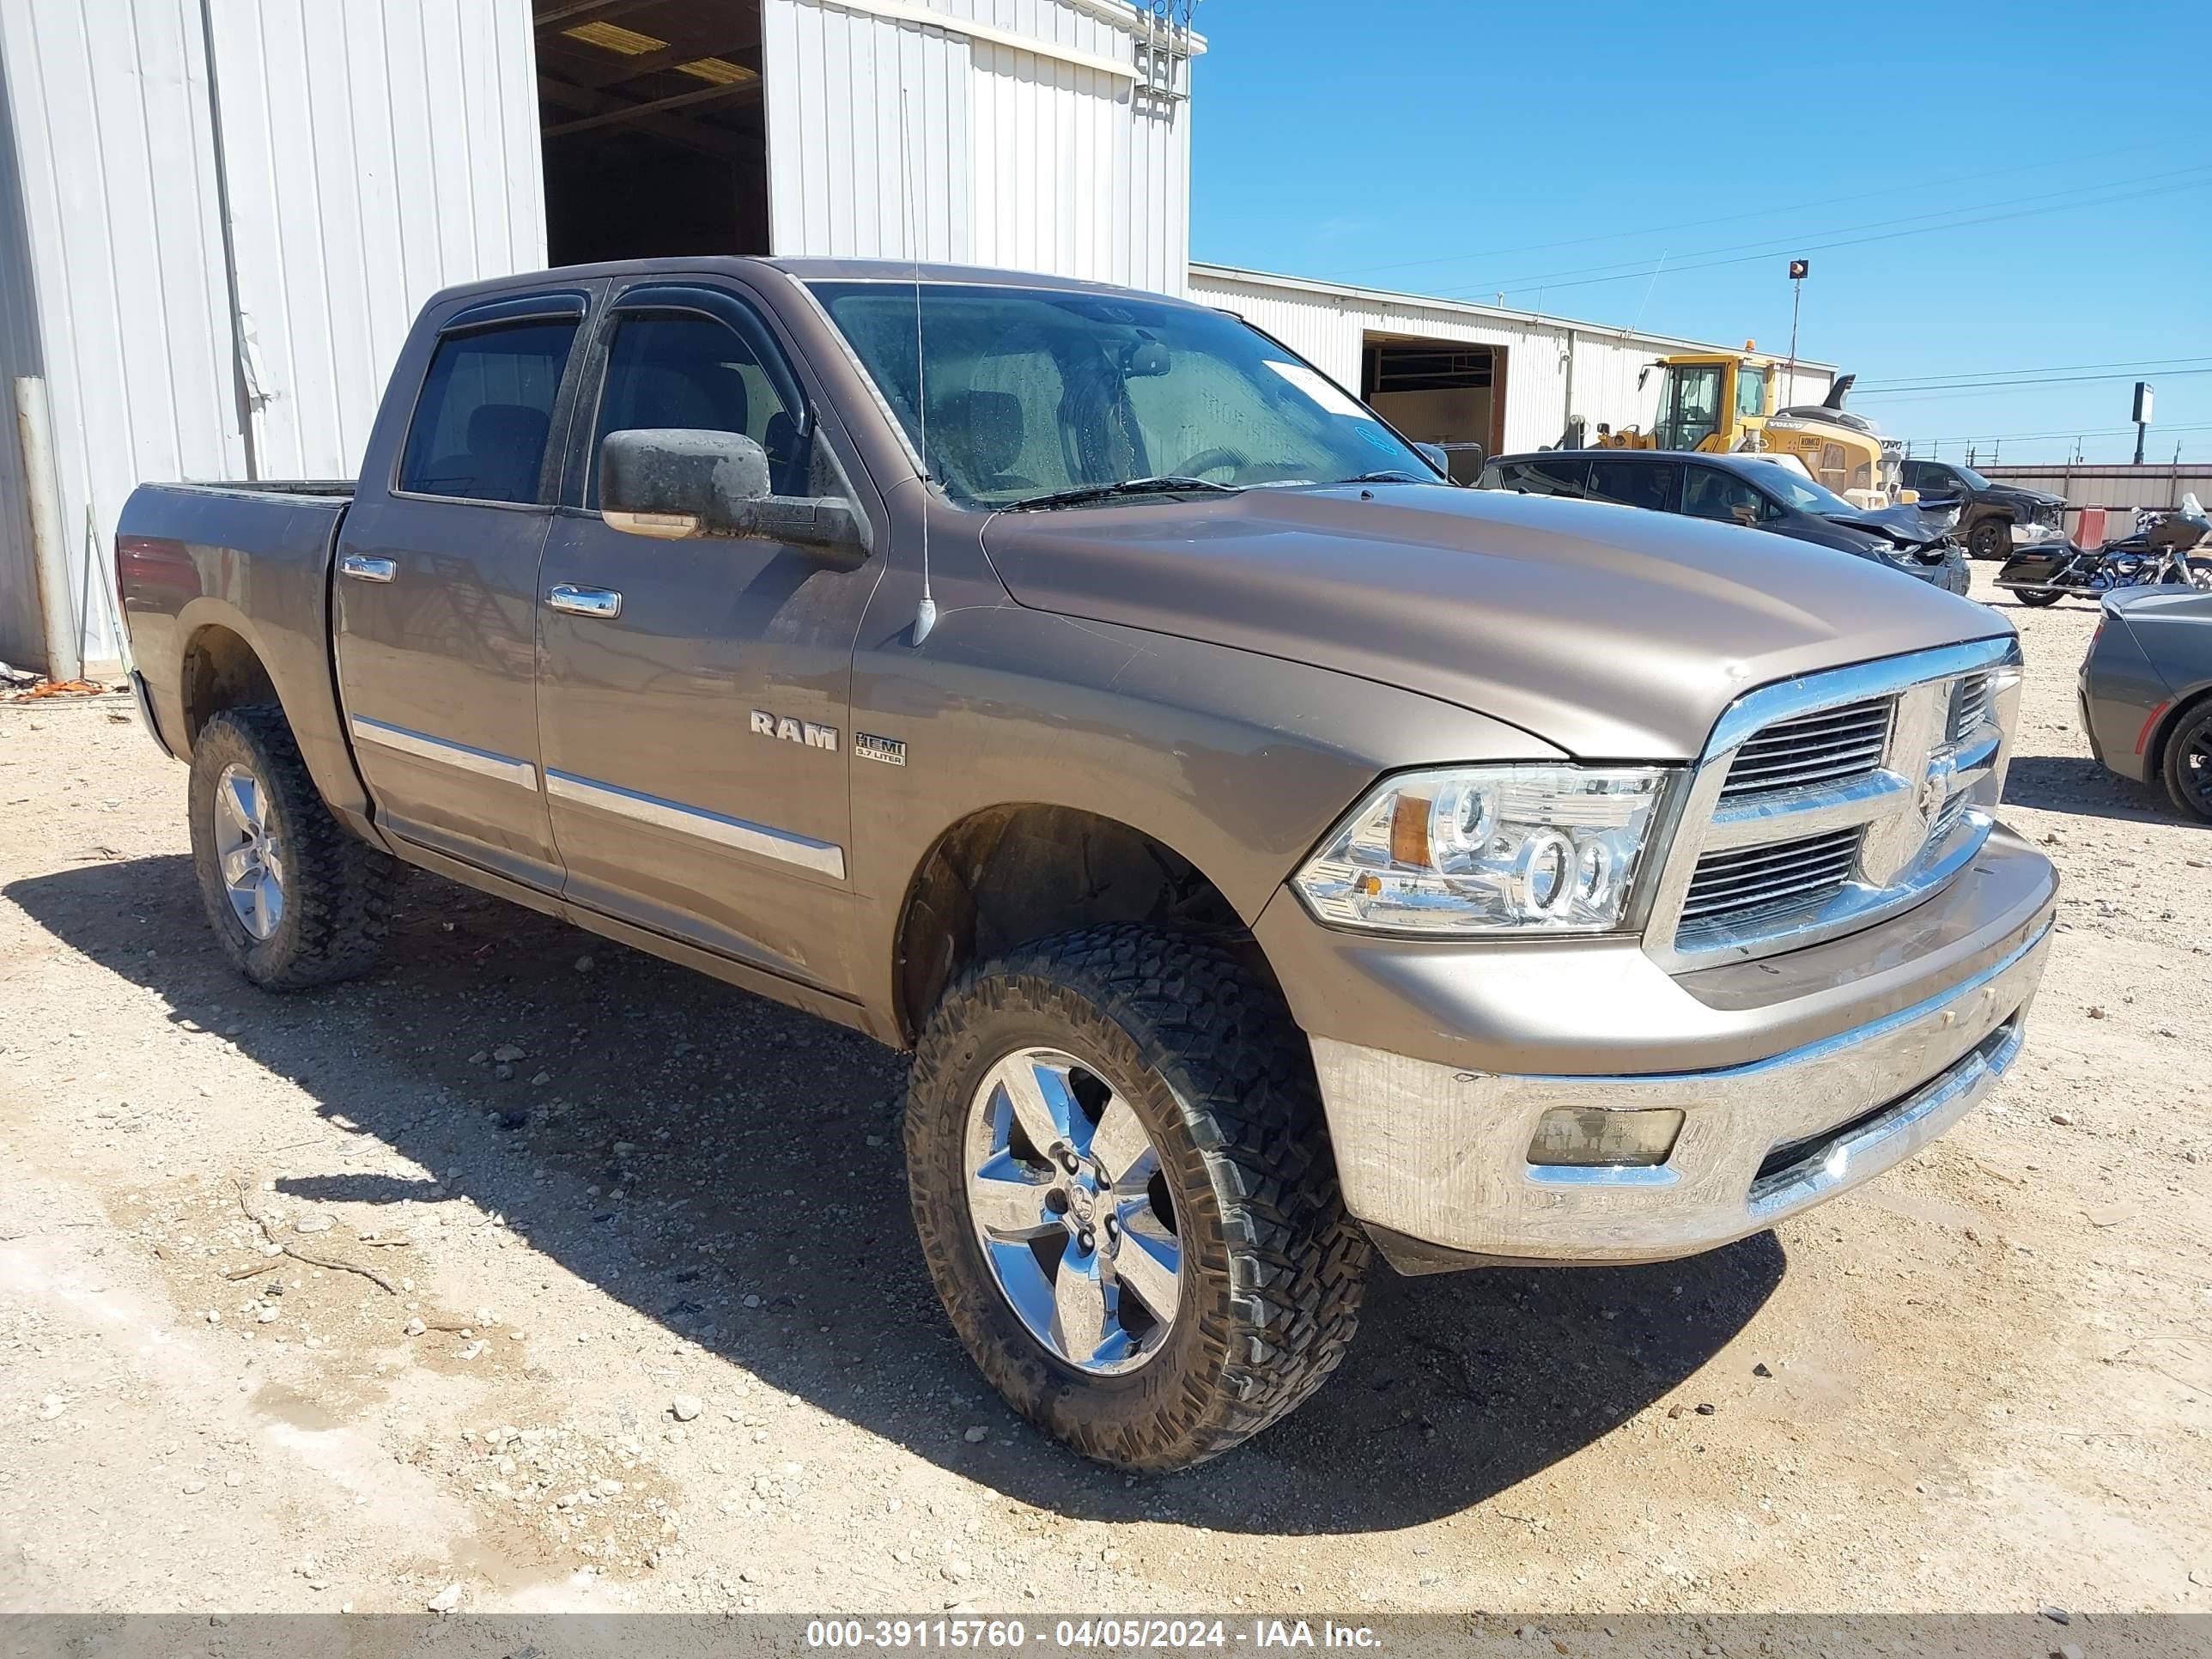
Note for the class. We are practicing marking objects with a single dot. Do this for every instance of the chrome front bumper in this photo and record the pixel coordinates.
(1439, 1154)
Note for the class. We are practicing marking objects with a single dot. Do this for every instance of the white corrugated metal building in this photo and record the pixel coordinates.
(217, 217)
(1446, 370)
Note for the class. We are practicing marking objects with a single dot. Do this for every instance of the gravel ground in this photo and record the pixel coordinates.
(652, 1333)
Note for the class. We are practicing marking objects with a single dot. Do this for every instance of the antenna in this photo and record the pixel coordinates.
(925, 614)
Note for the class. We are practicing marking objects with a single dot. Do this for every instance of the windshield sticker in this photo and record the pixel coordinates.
(1319, 388)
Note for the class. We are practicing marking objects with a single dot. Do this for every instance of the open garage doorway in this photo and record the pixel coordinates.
(1439, 391)
(654, 127)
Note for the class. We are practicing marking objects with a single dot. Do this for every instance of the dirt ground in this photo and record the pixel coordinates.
(652, 1335)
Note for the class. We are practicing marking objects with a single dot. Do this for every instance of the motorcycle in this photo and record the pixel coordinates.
(2163, 548)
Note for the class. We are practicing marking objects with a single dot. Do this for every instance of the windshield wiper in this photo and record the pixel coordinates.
(1160, 486)
(1393, 475)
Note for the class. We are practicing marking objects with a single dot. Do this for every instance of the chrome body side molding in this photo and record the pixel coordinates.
(422, 745)
(785, 845)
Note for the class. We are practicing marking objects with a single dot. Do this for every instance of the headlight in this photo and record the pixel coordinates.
(1489, 849)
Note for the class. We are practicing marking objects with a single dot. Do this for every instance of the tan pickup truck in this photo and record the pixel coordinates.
(1272, 854)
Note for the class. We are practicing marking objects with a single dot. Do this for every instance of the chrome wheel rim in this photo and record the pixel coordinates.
(247, 852)
(1071, 1210)
(2197, 772)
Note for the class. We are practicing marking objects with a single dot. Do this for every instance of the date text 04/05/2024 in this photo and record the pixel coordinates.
(1000, 1635)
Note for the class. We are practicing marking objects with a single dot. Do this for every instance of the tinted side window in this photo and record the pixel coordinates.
(480, 427)
(1647, 484)
(700, 375)
(1709, 493)
(1538, 477)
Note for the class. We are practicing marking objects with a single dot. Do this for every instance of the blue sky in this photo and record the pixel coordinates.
(2012, 192)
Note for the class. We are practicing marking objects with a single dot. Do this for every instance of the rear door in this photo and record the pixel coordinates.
(1629, 481)
(693, 693)
(437, 585)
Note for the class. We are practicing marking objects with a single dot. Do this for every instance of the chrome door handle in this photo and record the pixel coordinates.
(602, 602)
(364, 567)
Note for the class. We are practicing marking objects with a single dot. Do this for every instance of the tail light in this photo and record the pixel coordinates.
(156, 570)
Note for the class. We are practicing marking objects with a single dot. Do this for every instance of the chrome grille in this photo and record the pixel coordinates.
(1947, 818)
(1745, 883)
(1825, 803)
(1969, 705)
(1832, 746)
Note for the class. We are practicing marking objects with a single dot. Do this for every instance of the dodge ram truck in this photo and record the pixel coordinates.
(1272, 854)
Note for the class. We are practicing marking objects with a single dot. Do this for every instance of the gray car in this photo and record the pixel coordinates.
(2147, 691)
(1757, 492)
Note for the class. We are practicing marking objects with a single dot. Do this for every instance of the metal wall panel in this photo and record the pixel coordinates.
(1035, 160)
(1328, 324)
(114, 170)
(376, 151)
(2121, 490)
(20, 354)
(373, 154)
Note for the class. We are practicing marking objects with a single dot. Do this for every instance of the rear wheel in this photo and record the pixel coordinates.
(1125, 1193)
(294, 901)
(2189, 762)
(2039, 599)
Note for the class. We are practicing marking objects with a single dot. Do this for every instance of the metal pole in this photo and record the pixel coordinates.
(241, 375)
(49, 552)
(1567, 414)
(1797, 295)
(2142, 427)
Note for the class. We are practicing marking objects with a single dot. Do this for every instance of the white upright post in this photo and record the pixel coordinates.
(48, 551)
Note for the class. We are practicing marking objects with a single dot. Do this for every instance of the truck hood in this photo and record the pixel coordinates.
(2014, 492)
(1612, 633)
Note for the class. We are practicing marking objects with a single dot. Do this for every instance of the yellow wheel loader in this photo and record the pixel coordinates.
(1724, 401)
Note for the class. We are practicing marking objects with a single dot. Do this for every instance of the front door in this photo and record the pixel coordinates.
(436, 597)
(692, 703)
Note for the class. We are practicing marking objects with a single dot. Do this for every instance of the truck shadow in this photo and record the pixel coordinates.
(756, 1153)
(2076, 785)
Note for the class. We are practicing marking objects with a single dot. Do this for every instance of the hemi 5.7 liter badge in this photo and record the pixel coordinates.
(868, 746)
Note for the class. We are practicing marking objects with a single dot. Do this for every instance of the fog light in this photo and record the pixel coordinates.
(1588, 1137)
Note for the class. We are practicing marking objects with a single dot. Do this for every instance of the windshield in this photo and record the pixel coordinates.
(1974, 480)
(1033, 393)
(1798, 491)
(1689, 406)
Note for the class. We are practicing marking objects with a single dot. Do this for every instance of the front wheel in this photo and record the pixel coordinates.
(294, 901)
(2199, 574)
(1991, 539)
(1125, 1193)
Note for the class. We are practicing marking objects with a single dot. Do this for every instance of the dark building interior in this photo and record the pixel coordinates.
(655, 132)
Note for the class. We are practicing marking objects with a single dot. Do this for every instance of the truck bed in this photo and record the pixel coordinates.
(320, 487)
(222, 578)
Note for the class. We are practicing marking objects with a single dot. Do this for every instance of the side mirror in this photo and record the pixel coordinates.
(1907, 497)
(1436, 457)
(677, 483)
(1745, 514)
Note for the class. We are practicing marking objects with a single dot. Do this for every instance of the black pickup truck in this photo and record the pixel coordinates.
(1993, 518)
(1271, 853)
